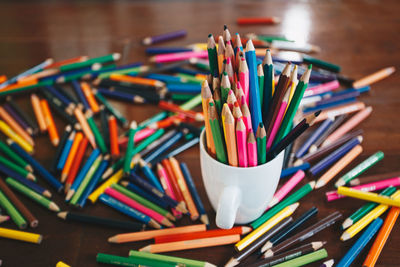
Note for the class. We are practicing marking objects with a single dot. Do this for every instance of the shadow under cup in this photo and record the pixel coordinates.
(238, 195)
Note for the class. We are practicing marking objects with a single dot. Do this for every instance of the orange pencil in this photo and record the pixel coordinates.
(76, 163)
(338, 166)
(18, 85)
(35, 101)
(168, 168)
(347, 126)
(94, 106)
(191, 244)
(205, 98)
(85, 126)
(337, 111)
(36, 76)
(136, 80)
(15, 126)
(51, 126)
(3, 78)
(113, 133)
(71, 156)
(194, 214)
(139, 236)
(230, 138)
(67, 61)
(197, 116)
(382, 237)
(238, 230)
(374, 77)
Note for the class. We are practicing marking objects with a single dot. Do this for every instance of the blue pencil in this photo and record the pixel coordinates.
(335, 156)
(119, 95)
(254, 102)
(121, 207)
(193, 192)
(60, 96)
(81, 175)
(36, 166)
(65, 151)
(163, 147)
(79, 93)
(359, 245)
(151, 176)
(181, 148)
(154, 191)
(155, 199)
(329, 105)
(60, 147)
(34, 186)
(289, 171)
(165, 78)
(157, 142)
(94, 181)
(188, 88)
(315, 135)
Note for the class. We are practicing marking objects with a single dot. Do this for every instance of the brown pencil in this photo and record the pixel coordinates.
(33, 222)
(191, 244)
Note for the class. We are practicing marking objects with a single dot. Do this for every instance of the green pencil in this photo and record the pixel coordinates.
(321, 64)
(181, 97)
(361, 212)
(25, 88)
(17, 218)
(217, 101)
(113, 168)
(216, 133)
(133, 70)
(293, 106)
(212, 55)
(294, 197)
(194, 102)
(85, 75)
(97, 135)
(32, 195)
(269, 82)
(360, 168)
(130, 146)
(260, 75)
(129, 261)
(306, 259)
(143, 201)
(189, 78)
(86, 180)
(177, 261)
(15, 157)
(110, 108)
(23, 172)
(225, 87)
(261, 144)
(89, 62)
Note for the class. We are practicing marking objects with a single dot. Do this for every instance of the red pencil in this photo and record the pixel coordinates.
(76, 163)
(258, 21)
(113, 132)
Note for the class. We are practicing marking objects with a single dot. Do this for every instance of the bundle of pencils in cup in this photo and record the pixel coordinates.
(248, 120)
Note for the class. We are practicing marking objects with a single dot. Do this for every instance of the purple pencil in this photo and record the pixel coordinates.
(164, 37)
(18, 118)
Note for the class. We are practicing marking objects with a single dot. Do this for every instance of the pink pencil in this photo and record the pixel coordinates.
(347, 126)
(252, 149)
(286, 188)
(322, 88)
(244, 78)
(166, 184)
(231, 99)
(241, 139)
(246, 116)
(239, 93)
(139, 136)
(171, 57)
(278, 120)
(137, 206)
(333, 195)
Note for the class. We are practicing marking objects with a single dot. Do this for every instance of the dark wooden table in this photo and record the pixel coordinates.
(361, 36)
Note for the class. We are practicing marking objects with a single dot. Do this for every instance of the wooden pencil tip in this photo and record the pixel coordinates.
(112, 239)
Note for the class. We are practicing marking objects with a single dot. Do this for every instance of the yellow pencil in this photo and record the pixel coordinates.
(20, 235)
(368, 196)
(15, 137)
(367, 219)
(248, 239)
(62, 264)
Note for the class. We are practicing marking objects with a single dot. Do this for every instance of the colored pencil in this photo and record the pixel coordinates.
(251, 149)
(260, 75)
(246, 117)
(336, 123)
(138, 236)
(129, 149)
(164, 37)
(110, 108)
(367, 196)
(65, 151)
(359, 245)
(15, 137)
(257, 232)
(322, 88)
(375, 77)
(373, 178)
(176, 261)
(347, 126)
(76, 163)
(261, 144)
(150, 175)
(244, 79)
(269, 83)
(216, 133)
(166, 183)
(51, 127)
(113, 134)
(258, 21)
(33, 186)
(71, 156)
(15, 126)
(339, 166)
(11, 210)
(16, 168)
(19, 206)
(173, 180)
(368, 218)
(20, 235)
(243, 254)
(7, 151)
(191, 244)
(286, 188)
(241, 140)
(95, 131)
(91, 61)
(305, 259)
(341, 110)
(303, 235)
(361, 212)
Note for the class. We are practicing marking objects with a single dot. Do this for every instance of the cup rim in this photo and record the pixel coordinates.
(202, 147)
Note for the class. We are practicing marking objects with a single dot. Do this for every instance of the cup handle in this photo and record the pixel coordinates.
(228, 205)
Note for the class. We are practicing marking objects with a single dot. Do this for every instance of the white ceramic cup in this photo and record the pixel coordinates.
(238, 195)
